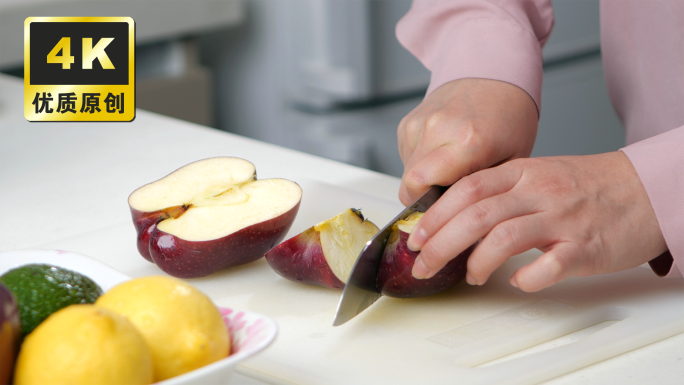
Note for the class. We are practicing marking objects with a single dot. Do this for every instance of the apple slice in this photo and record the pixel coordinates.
(211, 214)
(324, 254)
(394, 276)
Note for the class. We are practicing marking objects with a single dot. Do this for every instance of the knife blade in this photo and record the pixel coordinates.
(361, 289)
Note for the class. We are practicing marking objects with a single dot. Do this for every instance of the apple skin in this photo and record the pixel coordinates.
(395, 278)
(10, 333)
(144, 224)
(300, 259)
(188, 259)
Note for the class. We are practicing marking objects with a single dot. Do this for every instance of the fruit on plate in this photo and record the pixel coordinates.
(183, 328)
(84, 344)
(42, 289)
(325, 253)
(211, 214)
(10, 333)
(394, 276)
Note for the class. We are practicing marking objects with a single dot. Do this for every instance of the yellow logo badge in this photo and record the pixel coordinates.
(79, 69)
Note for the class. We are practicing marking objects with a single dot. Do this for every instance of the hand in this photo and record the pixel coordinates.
(588, 214)
(463, 126)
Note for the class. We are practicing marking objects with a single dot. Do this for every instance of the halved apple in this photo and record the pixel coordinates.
(324, 254)
(211, 214)
(394, 276)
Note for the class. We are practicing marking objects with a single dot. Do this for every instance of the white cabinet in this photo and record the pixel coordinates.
(346, 51)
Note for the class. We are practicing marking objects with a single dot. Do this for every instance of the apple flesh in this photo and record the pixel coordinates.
(324, 254)
(10, 333)
(394, 275)
(211, 214)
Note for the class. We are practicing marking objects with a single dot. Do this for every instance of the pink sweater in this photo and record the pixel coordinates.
(642, 44)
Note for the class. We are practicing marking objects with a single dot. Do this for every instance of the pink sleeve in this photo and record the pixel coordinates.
(659, 161)
(496, 39)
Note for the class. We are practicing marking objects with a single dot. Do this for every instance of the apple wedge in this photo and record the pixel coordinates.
(394, 276)
(211, 214)
(324, 254)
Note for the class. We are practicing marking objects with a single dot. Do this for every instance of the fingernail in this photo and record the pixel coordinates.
(420, 271)
(417, 239)
(513, 282)
(470, 280)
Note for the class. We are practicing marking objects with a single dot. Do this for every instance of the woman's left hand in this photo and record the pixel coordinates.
(588, 214)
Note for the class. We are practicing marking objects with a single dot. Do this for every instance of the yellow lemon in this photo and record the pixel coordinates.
(84, 344)
(181, 325)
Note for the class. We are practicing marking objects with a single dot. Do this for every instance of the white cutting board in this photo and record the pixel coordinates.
(457, 336)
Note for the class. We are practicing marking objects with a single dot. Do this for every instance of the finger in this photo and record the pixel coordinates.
(409, 135)
(404, 195)
(552, 267)
(465, 229)
(402, 139)
(439, 167)
(467, 191)
(504, 241)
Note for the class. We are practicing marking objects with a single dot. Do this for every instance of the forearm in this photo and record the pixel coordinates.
(499, 40)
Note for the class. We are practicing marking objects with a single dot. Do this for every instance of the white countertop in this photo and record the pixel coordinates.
(62, 181)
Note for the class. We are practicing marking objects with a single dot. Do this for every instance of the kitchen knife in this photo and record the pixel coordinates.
(361, 289)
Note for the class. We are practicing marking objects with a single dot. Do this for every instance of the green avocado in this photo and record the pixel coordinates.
(41, 290)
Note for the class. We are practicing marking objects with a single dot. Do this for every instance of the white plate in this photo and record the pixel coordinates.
(250, 332)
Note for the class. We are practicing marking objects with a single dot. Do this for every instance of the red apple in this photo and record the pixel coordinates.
(10, 333)
(211, 214)
(324, 254)
(394, 276)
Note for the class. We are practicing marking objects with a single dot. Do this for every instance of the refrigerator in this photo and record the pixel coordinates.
(329, 77)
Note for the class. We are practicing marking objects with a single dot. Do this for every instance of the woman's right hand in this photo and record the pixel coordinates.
(464, 126)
